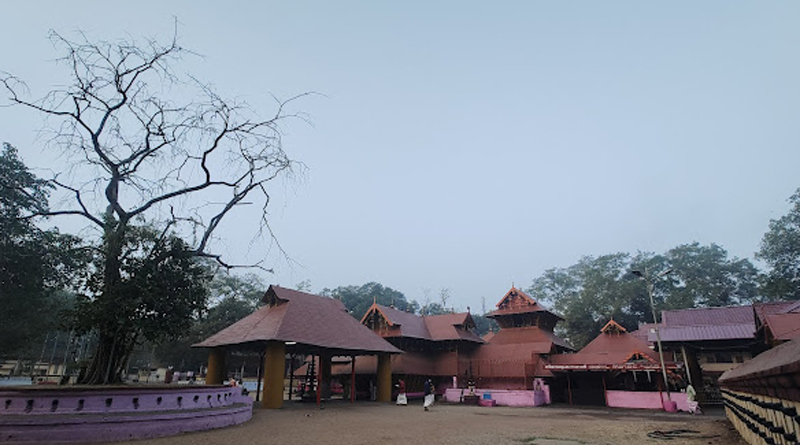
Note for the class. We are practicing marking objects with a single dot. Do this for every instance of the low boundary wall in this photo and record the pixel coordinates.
(99, 414)
(762, 396)
(504, 397)
(644, 399)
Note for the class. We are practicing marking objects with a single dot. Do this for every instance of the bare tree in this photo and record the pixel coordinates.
(139, 152)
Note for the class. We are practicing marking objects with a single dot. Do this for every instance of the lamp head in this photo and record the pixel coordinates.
(638, 273)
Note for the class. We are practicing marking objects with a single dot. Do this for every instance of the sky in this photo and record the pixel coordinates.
(474, 145)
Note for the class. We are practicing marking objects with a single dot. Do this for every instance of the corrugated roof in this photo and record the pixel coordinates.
(293, 316)
(709, 316)
(697, 333)
(713, 323)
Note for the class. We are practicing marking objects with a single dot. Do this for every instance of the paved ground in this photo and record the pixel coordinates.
(372, 423)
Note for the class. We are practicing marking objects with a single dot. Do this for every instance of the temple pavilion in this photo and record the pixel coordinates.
(298, 323)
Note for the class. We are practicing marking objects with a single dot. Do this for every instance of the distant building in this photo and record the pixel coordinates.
(777, 323)
(444, 346)
(709, 341)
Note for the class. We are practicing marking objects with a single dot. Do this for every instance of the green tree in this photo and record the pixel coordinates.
(780, 249)
(596, 289)
(357, 299)
(36, 266)
(232, 297)
(158, 160)
(160, 291)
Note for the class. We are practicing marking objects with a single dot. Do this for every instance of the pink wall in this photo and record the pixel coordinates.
(504, 397)
(644, 399)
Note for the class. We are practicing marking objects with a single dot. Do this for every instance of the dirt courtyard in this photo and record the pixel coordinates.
(371, 423)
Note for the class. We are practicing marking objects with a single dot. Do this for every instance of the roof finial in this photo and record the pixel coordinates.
(374, 299)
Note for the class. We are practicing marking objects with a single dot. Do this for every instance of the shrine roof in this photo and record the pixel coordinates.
(542, 340)
(430, 327)
(610, 347)
(309, 320)
(517, 302)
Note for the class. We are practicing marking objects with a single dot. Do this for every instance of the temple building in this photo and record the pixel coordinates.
(509, 363)
(616, 369)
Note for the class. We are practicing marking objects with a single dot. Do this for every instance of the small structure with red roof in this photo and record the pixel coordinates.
(615, 369)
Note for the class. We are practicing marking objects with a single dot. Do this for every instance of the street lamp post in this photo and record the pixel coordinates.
(650, 285)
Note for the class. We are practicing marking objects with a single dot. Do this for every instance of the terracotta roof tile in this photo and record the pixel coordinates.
(451, 327)
(784, 326)
(608, 349)
(303, 318)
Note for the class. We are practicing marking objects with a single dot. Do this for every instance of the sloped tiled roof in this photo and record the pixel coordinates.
(784, 326)
(517, 302)
(406, 324)
(608, 349)
(542, 341)
(451, 327)
(715, 323)
(430, 327)
(293, 316)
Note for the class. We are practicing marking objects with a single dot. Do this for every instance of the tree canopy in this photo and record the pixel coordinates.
(357, 299)
(35, 265)
(780, 249)
(596, 289)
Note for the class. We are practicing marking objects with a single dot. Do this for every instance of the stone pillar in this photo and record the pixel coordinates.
(274, 365)
(325, 375)
(384, 378)
(215, 374)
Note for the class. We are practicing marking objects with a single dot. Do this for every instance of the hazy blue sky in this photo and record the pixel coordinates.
(470, 145)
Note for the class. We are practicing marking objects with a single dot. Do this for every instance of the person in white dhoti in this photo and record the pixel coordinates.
(691, 400)
(430, 394)
(401, 392)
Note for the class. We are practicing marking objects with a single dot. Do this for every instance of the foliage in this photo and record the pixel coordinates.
(35, 265)
(148, 167)
(596, 289)
(484, 325)
(233, 297)
(160, 290)
(780, 249)
(357, 299)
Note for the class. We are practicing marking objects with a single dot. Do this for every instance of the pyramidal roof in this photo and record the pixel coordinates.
(517, 302)
(613, 346)
(307, 319)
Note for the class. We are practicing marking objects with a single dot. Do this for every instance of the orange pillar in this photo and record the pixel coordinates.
(215, 374)
(384, 378)
(274, 365)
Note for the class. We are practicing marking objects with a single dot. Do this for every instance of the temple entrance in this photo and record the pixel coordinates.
(587, 388)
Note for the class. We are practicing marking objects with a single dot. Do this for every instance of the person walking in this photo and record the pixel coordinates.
(401, 392)
(430, 394)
